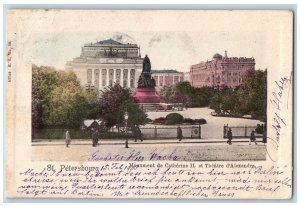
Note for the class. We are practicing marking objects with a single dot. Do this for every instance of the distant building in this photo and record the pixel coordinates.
(107, 62)
(91, 124)
(221, 71)
(166, 77)
(186, 76)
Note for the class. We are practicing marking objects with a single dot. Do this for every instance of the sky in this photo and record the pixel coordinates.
(171, 39)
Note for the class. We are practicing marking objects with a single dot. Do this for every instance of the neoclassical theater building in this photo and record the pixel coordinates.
(107, 62)
(221, 71)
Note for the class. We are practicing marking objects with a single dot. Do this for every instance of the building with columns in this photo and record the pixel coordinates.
(221, 71)
(166, 77)
(106, 62)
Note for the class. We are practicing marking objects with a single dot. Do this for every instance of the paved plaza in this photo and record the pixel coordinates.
(186, 150)
(214, 127)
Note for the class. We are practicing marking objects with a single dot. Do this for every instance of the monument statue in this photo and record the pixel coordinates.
(146, 92)
(145, 80)
(146, 64)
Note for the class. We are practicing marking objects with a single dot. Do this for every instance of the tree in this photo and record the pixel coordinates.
(252, 94)
(114, 102)
(44, 81)
(166, 93)
(68, 102)
(183, 92)
(93, 109)
(184, 87)
(68, 106)
(178, 97)
(201, 97)
(135, 115)
(58, 100)
(249, 98)
(228, 100)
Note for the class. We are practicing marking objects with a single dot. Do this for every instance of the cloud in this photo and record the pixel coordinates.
(123, 38)
(157, 39)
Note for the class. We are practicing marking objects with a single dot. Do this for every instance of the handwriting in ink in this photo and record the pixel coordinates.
(121, 180)
(282, 84)
(134, 155)
(277, 125)
(272, 148)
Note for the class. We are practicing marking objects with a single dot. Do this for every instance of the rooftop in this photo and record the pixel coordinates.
(165, 71)
(109, 42)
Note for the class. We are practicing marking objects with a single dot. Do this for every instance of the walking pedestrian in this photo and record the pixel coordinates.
(138, 134)
(95, 138)
(67, 138)
(265, 137)
(179, 133)
(252, 138)
(229, 136)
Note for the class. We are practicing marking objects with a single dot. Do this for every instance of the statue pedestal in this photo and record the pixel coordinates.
(146, 95)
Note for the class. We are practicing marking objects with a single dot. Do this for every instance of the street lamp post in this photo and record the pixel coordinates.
(126, 122)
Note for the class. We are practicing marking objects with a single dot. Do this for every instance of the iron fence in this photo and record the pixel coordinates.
(165, 132)
(241, 131)
(171, 132)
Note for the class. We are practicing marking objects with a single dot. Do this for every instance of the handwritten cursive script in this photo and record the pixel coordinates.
(134, 155)
(119, 180)
(282, 84)
(282, 91)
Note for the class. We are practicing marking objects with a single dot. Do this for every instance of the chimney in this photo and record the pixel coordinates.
(225, 54)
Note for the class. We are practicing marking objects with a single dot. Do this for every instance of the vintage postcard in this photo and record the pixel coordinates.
(177, 104)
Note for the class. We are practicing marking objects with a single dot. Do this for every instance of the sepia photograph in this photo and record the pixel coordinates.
(111, 103)
(170, 96)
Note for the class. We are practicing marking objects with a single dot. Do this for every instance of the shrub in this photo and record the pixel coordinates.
(259, 129)
(148, 120)
(188, 121)
(54, 133)
(174, 118)
(200, 121)
(160, 120)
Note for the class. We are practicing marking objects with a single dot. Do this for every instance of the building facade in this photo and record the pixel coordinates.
(221, 71)
(186, 76)
(107, 62)
(167, 77)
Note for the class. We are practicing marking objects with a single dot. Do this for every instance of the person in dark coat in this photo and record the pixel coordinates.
(138, 134)
(179, 133)
(95, 138)
(252, 138)
(264, 137)
(229, 136)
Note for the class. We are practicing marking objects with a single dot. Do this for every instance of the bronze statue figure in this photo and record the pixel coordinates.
(146, 64)
(145, 80)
